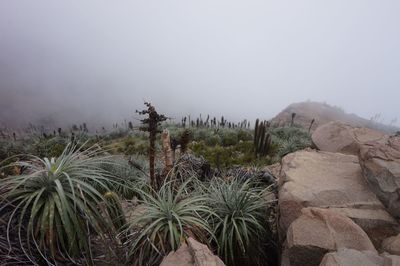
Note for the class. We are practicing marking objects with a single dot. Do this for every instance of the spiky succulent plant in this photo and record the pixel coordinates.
(54, 204)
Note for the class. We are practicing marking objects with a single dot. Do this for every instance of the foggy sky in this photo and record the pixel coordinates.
(99, 60)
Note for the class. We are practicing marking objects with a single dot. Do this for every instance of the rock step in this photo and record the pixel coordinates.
(310, 178)
(351, 257)
(326, 204)
(338, 137)
(192, 254)
(318, 231)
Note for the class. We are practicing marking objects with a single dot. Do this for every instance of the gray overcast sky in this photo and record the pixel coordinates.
(244, 59)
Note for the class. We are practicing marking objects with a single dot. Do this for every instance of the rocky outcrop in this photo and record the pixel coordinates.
(343, 199)
(392, 245)
(338, 137)
(311, 178)
(380, 162)
(351, 257)
(318, 231)
(323, 113)
(192, 254)
(274, 169)
(391, 260)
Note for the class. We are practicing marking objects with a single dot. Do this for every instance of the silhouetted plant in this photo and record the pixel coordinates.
(292, 121)
(262, 139)
(151, 125)
(311, 124)
(185, 139)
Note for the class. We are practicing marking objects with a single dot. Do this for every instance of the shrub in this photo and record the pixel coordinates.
(244, 135)
(229, 139)
(168, 217)
(126, 179)
(239, 226)
(213, 140)
(54, 201)
(129, 145)
(289, 139)
(202, 133)
(132, 145)
(117, 133)
(10, 148)
(114, 210)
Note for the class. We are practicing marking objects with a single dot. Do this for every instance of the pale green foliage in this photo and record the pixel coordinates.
(292, 144)
(289, 139)
(55, 203)
(239, 225)
(168, 217)
(129, 178)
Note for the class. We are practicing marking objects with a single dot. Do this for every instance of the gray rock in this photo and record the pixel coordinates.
(312, 178)
(192, 254)
(392, 245)
(339, 137)
(351, 257)
(318, 231)
(380, 162)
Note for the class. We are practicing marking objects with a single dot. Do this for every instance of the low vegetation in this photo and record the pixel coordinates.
(239, 221)
(82, 197)
(168, 216)
(54, 203)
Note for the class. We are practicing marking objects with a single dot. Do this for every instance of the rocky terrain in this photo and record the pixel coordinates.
(323, 113)
(326, 196)
(340, 204)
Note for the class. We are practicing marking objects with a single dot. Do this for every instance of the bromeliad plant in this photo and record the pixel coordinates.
(165, 220)
(55, 205)
(128, 176)
(239, 226)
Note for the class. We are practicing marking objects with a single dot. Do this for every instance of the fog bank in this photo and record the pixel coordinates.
(97, 61)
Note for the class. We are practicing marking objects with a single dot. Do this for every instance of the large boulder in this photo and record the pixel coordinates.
(338, 137)
(391, 260)
(318, 231)
(380, 163)
(192, 254)
(310, 178)
(392, 245)
(351, 257)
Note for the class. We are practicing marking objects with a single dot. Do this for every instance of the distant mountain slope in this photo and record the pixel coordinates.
(324, 113)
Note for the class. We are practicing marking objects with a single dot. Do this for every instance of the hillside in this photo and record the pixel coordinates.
(324, 113)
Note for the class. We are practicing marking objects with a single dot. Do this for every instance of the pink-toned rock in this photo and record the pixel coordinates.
(392, 245)
(180, 257)
(377, 223)
(328, 180)
(380, 162)
(391, 260)
(318, 231)
(351, 257)
(338, 137)
(274, 169)
(192, 254)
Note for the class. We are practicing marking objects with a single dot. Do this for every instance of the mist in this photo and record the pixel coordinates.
(98, 61)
